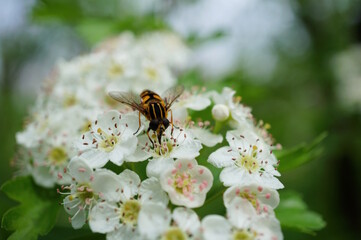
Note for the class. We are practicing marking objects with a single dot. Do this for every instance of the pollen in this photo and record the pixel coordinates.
(58, 155)
(129, 212)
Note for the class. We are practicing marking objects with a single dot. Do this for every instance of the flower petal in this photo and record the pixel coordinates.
(206, 137)
(129, 182)
(187, 220)
(107, 184)
(80, 170)
(222, 157)
(157, 166)
(153, 220)
(104, 217)
(216, 227)
(151, 191)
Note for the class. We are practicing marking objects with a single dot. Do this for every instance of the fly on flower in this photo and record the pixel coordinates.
(152, 106)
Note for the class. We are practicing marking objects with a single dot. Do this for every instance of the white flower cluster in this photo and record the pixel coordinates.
(76, 139)
(76, 93)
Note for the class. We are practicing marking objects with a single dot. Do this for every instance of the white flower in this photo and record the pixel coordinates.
(249, 201)
(179, 145)
(239, 113)
(247, 160)
(120, 218)
(216, 227)
(185, 225)
(87, 189)
(187, 183)
(50, 159)
(111, 137)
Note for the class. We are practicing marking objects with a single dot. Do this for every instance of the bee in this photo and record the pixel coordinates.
(154, 107)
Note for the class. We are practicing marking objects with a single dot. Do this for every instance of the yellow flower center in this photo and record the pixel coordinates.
(152, 73)
(70, 100)
(109, 141)
(243, 234)
(251, 197)
(115, 70)
(174, 233)
(249, 162)
(129, 212)
(58, 155)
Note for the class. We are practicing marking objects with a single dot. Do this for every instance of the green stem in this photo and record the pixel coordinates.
(214, 196)
(218, 127)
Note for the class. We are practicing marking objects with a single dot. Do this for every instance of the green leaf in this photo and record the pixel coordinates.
(301, 154)
(37, 212)
(292, 212)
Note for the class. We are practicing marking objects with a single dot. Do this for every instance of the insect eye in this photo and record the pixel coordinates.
(165, 123)
(154, 124)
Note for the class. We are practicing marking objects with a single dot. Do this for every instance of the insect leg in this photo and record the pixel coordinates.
(171, 121)
(139, 125)
(149, 137)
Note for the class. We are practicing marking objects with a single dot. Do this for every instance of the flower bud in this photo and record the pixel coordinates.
(220, 112)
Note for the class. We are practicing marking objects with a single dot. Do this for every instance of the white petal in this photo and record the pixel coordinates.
(240, 212)
(107, 120)
(43, 177)
(216, 228)
(150, 190)
(107, 183)
(139, 155)
(188, 149)
(71, 206)
(96, 158)
(222, 157)
(132, 121)
(129, 181)
(153, 220)
(198, 102)
(268, 196)
(157, 166)
(80, 170)
(124, 232)
(104, 217)
(269, 227)
(232, 175)
(187, 220)
(206, 137)
(78, 220)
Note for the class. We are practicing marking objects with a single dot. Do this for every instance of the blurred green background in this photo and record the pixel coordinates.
(296, 80)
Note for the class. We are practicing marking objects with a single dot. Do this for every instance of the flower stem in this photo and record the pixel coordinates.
(214, 196)
(218, 126)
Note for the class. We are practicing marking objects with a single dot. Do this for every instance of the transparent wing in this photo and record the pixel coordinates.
(128, 98)
(171, 94)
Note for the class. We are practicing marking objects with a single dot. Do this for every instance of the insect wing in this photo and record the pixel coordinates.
(171, 94)
(128, 98)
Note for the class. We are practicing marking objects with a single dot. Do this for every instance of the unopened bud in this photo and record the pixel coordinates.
(220, 112)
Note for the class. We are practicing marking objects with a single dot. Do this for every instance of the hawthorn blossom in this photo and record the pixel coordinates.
(187, 183)
(250, 201)
(88, 187)
(111, 138)
(216, 227)
(120, 218)
(180, 144)
(183, 223)
(245, 161)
